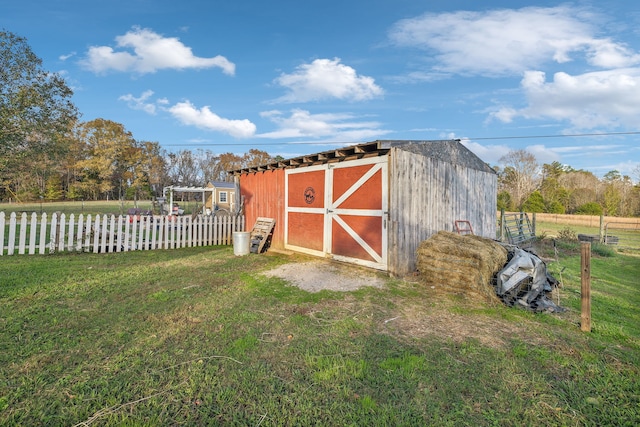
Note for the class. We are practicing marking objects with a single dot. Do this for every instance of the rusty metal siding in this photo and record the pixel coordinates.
(427, 195)
(264, 196)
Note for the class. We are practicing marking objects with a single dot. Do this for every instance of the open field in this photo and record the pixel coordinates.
(199, 337)
(627, 240)
(115, 207)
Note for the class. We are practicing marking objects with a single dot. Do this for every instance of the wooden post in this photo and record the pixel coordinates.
(502, 230)
(585, 252)
(533, 224)
(601, 228)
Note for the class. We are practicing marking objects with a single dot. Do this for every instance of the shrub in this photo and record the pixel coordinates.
(555, 207)
(603, 250)
(567, 234)
(591, 208)
(504, 201)
(534, 203)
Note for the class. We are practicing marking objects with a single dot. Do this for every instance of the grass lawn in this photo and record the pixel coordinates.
(198, 336)
(110, 207)
(114, 207)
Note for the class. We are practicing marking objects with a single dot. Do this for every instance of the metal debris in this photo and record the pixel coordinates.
(525, 281)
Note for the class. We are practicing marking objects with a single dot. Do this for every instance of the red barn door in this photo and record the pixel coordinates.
(339, 210)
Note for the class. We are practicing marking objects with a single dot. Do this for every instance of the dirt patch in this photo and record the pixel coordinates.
(316, 276)
(416, 322)
(436, 317)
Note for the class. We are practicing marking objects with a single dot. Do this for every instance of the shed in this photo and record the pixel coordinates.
(221, 197)
(373, 203)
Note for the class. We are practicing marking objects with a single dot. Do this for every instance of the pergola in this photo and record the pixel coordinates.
(173, 188)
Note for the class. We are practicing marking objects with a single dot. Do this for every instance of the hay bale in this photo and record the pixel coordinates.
(464, 264)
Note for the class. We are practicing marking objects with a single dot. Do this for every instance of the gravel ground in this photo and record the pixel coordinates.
(315, 276)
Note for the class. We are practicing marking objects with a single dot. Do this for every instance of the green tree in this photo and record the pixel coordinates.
(617, 197)
(110, 161)
(504, 201)
(534, 203)
(35, 104)
(590, 208)
(54, 188)
(554, 170)
(153, 166)
(554, 207)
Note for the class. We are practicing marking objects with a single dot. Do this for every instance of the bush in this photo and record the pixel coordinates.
(534, 203)
(603, 250)
(591, 208)
(555, 207)
(504, 201)
(567, 234)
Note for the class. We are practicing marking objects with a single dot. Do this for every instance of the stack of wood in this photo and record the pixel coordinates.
(464, 265)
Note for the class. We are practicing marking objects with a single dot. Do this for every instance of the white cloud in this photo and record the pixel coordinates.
(335, 127)
(507, 42)
(141, 103)
(492, 153)
(325, 79)
(204, 118)
(144, 51)
(543, 153)
(607, 99)
(629, 168)
(65, 57)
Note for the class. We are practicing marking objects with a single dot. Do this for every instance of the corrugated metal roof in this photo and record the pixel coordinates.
(451, 151)
(222, 184)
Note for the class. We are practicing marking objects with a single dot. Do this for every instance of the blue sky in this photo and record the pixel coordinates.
(300, 77)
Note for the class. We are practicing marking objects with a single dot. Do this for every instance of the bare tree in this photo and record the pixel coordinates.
(183, 169)
(521, 175)
(636, 173)
(208, 165)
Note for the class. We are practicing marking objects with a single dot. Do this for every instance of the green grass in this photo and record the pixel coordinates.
(114, 207)
(198, 336)
(111, 207)
(629, 240)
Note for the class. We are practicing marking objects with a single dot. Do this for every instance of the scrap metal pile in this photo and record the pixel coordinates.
(483, 268)
(525, 281)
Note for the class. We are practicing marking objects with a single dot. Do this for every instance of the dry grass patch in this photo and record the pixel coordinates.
(414, 322)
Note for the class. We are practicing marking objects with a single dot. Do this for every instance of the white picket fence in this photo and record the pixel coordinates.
(29, 234)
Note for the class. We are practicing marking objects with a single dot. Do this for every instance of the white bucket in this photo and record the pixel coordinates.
(241, 242)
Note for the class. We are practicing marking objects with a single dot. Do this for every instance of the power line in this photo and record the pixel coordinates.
(575, 135)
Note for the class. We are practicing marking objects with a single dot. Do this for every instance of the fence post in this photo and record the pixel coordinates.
(533, 225)
(601, 228)
(585, 292)
(502, 225)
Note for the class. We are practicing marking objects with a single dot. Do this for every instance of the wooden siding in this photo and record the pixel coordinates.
(427, 195)
(264, 196)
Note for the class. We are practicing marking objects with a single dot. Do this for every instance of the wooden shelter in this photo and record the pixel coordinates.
(222, 197)
(373, 203)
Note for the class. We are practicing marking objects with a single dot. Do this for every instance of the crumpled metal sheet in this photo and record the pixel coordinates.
(525, 281)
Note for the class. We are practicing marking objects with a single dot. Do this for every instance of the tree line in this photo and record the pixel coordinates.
(525, 185)
(101, 160)
(47, 153)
